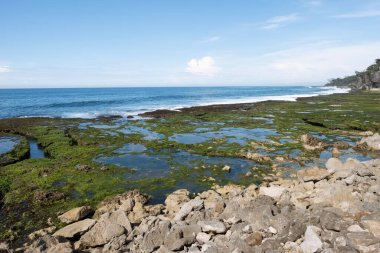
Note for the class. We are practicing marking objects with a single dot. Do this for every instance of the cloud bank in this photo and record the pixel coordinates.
(202, 67)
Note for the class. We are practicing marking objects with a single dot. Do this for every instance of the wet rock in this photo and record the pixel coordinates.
(312, 143)
(226, 168)
(41, 196)
(341, 145)
(75, 229)
(312, 174)
(83, 167)
(75, 214)
(312, 243)
(41, 232)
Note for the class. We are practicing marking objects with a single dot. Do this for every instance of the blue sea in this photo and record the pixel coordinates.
(94, 102)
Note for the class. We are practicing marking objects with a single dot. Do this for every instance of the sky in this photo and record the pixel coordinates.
(111, 43)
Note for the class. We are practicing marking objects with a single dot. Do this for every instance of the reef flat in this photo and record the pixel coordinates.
(84, 161)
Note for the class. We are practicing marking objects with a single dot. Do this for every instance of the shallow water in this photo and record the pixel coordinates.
(148, 163)
(35, 150)
(149, 135)
(232, 135)
(7, 144)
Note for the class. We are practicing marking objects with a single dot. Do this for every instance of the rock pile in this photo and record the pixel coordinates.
(336, 209)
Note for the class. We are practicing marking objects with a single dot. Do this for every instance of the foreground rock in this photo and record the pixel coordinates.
(332, 209)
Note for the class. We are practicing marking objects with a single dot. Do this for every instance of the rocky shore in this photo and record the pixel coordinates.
(331, 209)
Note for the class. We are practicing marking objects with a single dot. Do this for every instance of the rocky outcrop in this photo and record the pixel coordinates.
(311, 143)
(332, 209)
(370, 143)
(365, 80)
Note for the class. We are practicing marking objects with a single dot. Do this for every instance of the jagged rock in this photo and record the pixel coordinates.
(101, 233)
(174, 201)
(75, 229)
(203, 237)
(312, 143)
(370, 143)
(124, 202)
(48, 242)
(41, 232)
(312, 174)
(372, 225)
(341, 145)
(155, 237)
(363, 242)
(194, 204)
(75, 214)
(214, 226)
(312, 243)
(273, 191)
(253, 239)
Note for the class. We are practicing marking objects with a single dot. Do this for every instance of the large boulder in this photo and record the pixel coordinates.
(371, 143)
(75, 229)
(312, 174)
(102, 232)
(273, 191)
(312, 243)
(175, 200)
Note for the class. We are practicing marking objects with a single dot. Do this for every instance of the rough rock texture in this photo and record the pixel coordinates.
(330, 210)
(75, 214)
(371, 143)
(312, 143)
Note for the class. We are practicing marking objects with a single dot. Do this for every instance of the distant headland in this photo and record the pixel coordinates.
(364, 80)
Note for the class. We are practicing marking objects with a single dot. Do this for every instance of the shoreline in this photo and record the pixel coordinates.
(323, 210)
(241, 101)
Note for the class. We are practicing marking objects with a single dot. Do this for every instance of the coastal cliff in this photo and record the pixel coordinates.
(365, 80)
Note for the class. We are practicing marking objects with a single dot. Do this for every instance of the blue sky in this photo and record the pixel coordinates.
(85, 43)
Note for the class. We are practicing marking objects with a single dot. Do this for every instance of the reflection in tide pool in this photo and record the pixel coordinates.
(7, 144)
(35, 150)
(148, 134)
(148, 163)
(233, 135)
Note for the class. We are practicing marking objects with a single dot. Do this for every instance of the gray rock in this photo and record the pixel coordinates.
(214, 226)
(194, 204)
(75, 229)
(312, 243)
(155, 237)
(312, 174)
(75, 214)
(273, 191)
(101, 233)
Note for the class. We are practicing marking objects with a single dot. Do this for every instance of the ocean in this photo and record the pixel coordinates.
(94, 102)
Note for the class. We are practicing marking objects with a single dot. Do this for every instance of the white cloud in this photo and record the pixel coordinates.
(4, 69)
(279, 21)
(360, 14)
(211, 39)
(202, 67)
